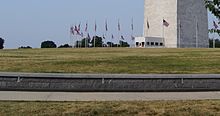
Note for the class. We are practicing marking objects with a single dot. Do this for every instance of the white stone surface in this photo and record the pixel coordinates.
(187, 18)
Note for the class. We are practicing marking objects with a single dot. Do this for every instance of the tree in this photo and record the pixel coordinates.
(124, 44)
(78, 44)
(98, 41)
(48, 44)
(214, 8)
(85, 42)
(25, 47)
(217, 43)
(65, 46)
(110, 44)
(2, 43)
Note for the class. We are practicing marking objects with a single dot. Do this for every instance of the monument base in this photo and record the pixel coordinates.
(149, 42)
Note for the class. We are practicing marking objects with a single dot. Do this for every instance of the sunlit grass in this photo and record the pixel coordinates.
(141, 108)
(111, 60)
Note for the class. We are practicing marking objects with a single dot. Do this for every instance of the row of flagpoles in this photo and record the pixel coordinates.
(77, 33)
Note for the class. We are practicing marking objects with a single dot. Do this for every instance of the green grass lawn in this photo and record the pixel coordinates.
(111, 60)
(139, 108)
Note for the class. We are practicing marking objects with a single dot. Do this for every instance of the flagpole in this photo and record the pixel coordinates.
(179, 33)
(85, 42)
(163, 33)
(143, 30)
(86, 31)
(77, 43)
(95, 33)
(103, 39)
(77, 38)
(196, 32)
(119, 32)
(106, 31)
(94, 39)
(73, 41)
(132, 32)
(112, 41)
(133, 38)
(119, 39)
(79, 28)
(71, 36)
(85, 38)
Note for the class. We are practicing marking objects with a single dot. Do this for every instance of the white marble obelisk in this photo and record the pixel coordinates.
(188, 22)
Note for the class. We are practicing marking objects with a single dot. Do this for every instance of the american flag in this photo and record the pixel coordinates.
(72, 30)
(165, 23)
(148, 25)
(77, 30)
(215, 25)
(122, 37)
(132, 24)
(95, 27)
(86, 27)
(106, 25)
(79, 27)
(119, 27)
(88, 36)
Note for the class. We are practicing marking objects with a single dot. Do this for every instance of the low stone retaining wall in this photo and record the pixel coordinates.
(107, 83)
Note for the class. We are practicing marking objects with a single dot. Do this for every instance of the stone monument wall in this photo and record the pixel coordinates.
(188, 22)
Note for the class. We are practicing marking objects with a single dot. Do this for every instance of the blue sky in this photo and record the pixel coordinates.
(29, 22)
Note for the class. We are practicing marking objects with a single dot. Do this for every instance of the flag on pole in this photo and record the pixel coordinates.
(72, 30)
(88, 36)
(132, 38)
(122, 37)
(86, 28)
(148, 25)
(77, 30)
(112, 36)
(132, 24)
(95, 27)
(106, 25)
(103, 36)
(165, 23)
(79, 27)
(215, 25)
(81, 34)
(119, 26)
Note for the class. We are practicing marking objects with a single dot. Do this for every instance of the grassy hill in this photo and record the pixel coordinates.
(114, 108)
(111, 60)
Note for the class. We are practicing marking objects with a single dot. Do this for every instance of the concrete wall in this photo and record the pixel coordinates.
(114, 83)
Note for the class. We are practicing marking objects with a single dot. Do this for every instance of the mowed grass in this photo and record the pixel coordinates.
(122, 108)
(111, 60)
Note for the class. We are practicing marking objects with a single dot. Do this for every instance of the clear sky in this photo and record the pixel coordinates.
(29, 22)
